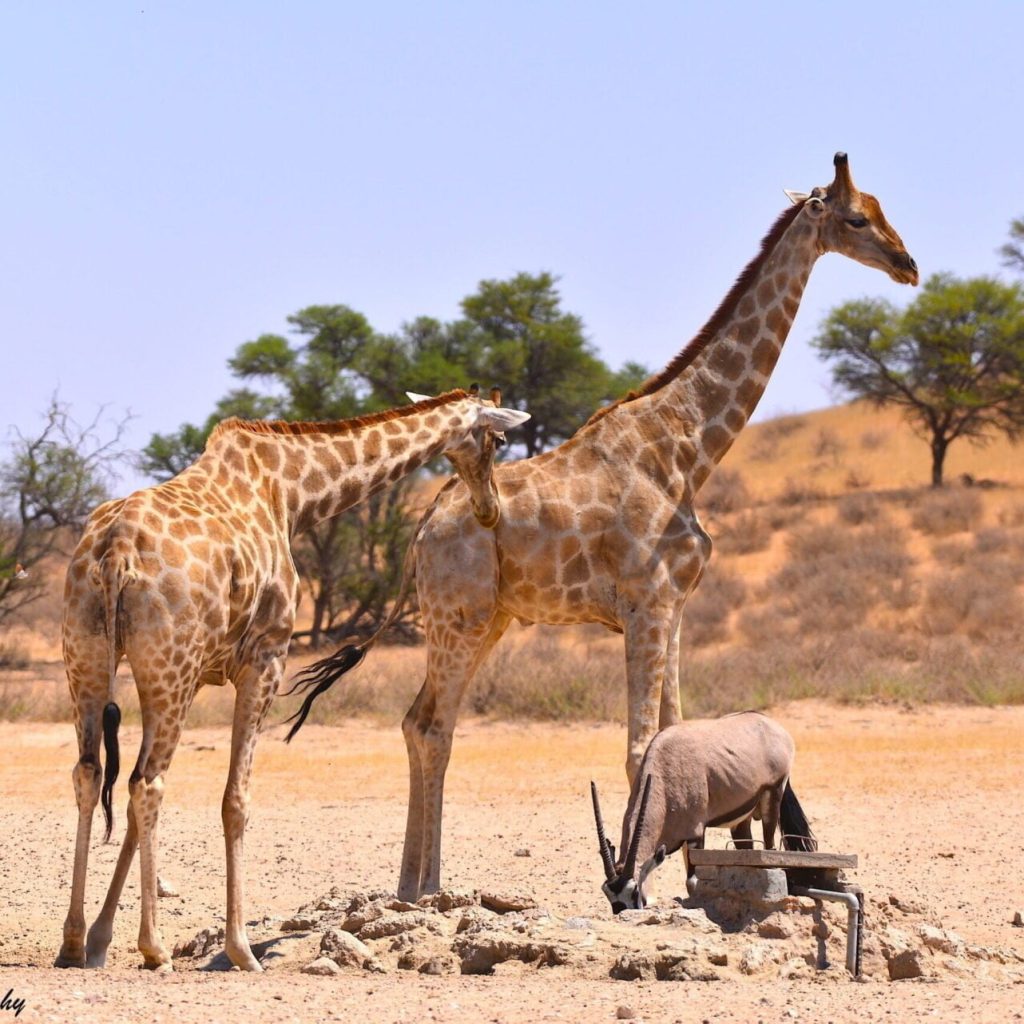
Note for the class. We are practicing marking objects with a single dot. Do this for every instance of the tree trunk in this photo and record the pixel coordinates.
(939, 446)
(319, 611)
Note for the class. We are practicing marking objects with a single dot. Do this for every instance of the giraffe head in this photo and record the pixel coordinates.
(473, 453)
(851, 222)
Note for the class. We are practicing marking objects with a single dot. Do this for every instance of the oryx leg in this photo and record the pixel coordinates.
(741, 835)
(771, 807)
(455, 651)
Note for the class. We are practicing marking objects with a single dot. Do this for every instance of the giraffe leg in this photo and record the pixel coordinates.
(161, 731)
(87, 779)
(255, 694)
(453, 657)
(647, 633)
(671, 712)
(102, 929)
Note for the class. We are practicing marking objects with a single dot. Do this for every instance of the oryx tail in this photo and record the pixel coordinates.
(796, 830)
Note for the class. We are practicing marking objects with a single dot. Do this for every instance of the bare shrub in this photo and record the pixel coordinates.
(997, 540)
(951, 552)
(977, 604)
(855, 509)
(798, 492)
(548, 682)
(764, 449)
(724, 491)
(856, 479)
(784, 517)
(746, 533)
(764, 624)
(944, 511)
(828, 445)
(710, 607)
(1012, 516)
(834, 576)
(782, 427)
(872, 440)
(13, 655)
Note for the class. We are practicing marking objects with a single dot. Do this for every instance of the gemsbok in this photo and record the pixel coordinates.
(699, 775)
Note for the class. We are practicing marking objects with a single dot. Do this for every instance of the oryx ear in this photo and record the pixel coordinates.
(502, 419)
(660, 855)
(413, 397)
(796, 197)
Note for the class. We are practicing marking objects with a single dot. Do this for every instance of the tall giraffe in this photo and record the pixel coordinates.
(603, 528)
(193, 581)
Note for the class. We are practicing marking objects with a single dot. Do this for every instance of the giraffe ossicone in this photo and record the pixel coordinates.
(193, 582)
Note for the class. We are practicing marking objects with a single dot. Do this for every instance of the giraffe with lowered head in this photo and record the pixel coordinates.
(603, 528)
(193, 582)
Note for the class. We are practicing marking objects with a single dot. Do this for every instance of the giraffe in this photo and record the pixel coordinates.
(193, 581)
(603, 528)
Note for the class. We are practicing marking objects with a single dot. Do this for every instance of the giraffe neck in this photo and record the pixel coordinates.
(308, 475)
(714, 385)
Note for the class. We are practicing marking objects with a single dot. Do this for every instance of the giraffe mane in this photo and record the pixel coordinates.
(719, 318)
(290, 427)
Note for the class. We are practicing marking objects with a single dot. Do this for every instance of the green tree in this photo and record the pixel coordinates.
(537, 353)
(514, 334)
(49, 483)
(952, 360)
(1012, 251)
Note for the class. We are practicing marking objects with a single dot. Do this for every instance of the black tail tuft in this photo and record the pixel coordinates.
(796, 830)
(111, 721)
(321, 676)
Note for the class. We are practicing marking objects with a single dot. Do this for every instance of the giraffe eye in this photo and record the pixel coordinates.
(857, 222)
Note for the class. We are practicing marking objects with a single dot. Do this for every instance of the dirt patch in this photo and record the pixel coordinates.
(929, 799)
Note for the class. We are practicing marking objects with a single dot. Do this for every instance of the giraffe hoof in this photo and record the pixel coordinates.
(65, 960)
(158, 967)
(243, 960)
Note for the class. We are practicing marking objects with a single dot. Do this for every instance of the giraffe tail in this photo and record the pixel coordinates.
(323, 674)
(112, 574)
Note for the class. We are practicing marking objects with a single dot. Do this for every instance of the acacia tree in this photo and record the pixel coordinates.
(537, 352)
(1012, 251)
(514, 334)
(49, 483)
(952, 360)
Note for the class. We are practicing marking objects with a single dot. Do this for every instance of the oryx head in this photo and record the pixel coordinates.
(623, 885)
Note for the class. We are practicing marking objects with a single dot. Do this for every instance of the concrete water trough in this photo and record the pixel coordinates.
(813, 875)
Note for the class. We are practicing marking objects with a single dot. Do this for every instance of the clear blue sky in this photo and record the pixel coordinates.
(178, 178)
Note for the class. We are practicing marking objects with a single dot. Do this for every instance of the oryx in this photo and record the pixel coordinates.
(699, 775)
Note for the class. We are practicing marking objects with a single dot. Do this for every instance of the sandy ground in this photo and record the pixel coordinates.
(930, 799)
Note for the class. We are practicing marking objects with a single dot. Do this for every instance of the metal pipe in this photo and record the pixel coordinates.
(853, 920)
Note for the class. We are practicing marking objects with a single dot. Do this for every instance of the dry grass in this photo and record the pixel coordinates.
(946, 511)
(854, 582)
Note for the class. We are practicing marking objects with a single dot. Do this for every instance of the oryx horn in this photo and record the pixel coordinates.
(606, 852)
(634, 842)
(496, 395)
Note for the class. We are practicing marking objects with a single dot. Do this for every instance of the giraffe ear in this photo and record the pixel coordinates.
(500, 419)
(413, 397)
(796, 197)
